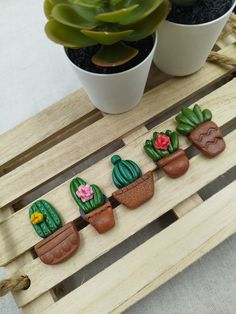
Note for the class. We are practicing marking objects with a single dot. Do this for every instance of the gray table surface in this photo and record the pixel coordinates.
(33, 75)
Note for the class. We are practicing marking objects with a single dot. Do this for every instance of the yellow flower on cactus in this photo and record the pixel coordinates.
(36, 218)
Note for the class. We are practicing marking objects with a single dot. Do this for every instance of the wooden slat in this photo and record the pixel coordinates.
(190, 203)
(48, 122)
(39, 305)
(18, 232)
(168, 195)
(77, 147)
(157, 260)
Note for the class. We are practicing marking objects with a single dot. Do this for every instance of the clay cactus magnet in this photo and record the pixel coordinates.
(204, 133)
(93, 204)
(134, 188)
(164, 150)
(59, 242)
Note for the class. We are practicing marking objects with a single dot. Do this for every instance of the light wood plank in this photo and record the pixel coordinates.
(77, 147)
(39, 305)
(17, 231)
(168, 195)
(43, 125)
(164, 255)
(190, 203)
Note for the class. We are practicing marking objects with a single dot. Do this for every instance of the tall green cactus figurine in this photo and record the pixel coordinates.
(190, 119)
(87, 197)
(44, 218)
(162, 144)
(124, 172)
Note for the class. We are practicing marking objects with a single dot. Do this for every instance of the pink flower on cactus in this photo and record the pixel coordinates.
(162, 142)
(85, 192)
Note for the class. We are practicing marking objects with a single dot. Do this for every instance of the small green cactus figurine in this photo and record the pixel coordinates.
(87, 197)
(162, 145)
(125, 171)
(44, 218)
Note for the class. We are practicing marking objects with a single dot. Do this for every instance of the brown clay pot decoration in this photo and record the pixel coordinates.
(60, 242)
(93, 205)
(134, 188)
(164, 150)
(204, 133)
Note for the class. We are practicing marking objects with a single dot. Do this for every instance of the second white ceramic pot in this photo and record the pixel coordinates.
(183, 49)
(119, 92)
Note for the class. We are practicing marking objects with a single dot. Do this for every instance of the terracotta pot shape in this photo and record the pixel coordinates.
(102, 218)
(59, 246)
(208, 138)
(119, 92)
(183, 49)
(174, 165)
(136, 193)
(93, 205)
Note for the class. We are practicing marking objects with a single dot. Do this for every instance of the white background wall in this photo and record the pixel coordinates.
(34, 72)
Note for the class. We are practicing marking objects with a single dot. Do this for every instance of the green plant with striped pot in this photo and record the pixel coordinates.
(156, 154)
(44, 218)
(189, 119)
(124, 172)
(96, 197)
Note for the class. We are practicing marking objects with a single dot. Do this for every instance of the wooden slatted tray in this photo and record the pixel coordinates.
(39, 158)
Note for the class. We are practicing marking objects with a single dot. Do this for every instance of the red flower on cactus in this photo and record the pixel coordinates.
(162, 142)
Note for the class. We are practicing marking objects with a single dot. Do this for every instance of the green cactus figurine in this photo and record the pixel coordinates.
(44, 218)
(124, 172)
(190, 119)
(84, 23)
(164, 150)
(162, 145)
(134, 188)
(87, 197)
(204, 133)
(94, 207)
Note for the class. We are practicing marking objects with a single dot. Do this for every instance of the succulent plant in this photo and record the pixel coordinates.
(124, 172)
(84, 23)
(190, 119)
(44, 218)
(185, 3)
(87, 197)
(169, 143)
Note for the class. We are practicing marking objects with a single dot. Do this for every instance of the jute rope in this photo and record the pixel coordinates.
(221, 59)
(14, 284)
(229, 30)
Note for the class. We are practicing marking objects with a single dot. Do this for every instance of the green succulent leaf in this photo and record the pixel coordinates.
(67, 36)
(47, 7)
(144, 9)
(114, 55)
(147, 26)
(116, 16)
(88, 3)
(107, 38)
(70, 16)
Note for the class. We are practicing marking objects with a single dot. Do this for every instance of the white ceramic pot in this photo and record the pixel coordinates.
(119, 92)
(183, 49)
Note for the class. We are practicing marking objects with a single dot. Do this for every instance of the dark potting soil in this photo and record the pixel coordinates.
(202, 12)
(82, 57)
